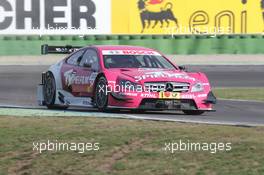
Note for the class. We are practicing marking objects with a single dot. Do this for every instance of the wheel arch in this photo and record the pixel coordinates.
(101, 74)
(56, 71)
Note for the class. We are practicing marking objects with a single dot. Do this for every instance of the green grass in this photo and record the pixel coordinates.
(127, 147)
(240, 93)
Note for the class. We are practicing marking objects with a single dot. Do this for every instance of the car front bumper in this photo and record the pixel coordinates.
(163, 101)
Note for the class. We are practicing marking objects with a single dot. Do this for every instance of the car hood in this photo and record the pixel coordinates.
(156, 75)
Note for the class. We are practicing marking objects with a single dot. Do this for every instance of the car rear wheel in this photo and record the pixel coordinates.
(193, 112)
(50, 92)
(101, 94)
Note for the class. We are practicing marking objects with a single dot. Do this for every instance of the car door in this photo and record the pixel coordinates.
(69, 72)
(87, 72)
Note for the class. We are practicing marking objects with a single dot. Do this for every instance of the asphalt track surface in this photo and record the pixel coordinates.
(18, 87)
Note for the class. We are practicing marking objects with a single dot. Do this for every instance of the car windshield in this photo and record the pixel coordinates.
(137, 61)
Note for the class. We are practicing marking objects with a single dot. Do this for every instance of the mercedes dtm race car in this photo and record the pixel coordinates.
(122, 77)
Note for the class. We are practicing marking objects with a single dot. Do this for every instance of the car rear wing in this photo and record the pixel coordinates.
(46, 49)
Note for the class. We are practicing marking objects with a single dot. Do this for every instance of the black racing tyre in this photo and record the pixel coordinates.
(50, 92)
(101, 94)
(189, 112)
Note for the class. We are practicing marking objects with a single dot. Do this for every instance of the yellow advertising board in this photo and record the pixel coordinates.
(187, 16)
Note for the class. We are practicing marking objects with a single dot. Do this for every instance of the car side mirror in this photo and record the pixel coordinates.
(182, 68)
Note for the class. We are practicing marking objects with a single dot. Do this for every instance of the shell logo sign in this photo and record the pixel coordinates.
(187, 16)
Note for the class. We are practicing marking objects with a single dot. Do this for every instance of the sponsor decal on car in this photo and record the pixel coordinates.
(129, 94)
(169, 95)
(188, 96)
(130, 52)
(202, 95)
(148, 95)
(72, 78)
(162, 74)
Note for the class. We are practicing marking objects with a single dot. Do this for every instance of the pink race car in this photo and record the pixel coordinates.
(122, 77)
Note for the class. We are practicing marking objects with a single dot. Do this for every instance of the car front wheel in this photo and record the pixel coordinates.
(101, 94)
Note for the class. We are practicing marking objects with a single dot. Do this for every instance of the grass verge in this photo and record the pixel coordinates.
(127, 147)
(240, 93)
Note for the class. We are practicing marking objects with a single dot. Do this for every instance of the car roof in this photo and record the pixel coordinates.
(120, 47)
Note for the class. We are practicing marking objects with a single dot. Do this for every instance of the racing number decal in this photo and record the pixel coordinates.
(169, 95)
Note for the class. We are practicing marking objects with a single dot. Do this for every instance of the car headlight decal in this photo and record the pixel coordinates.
(198, 87)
